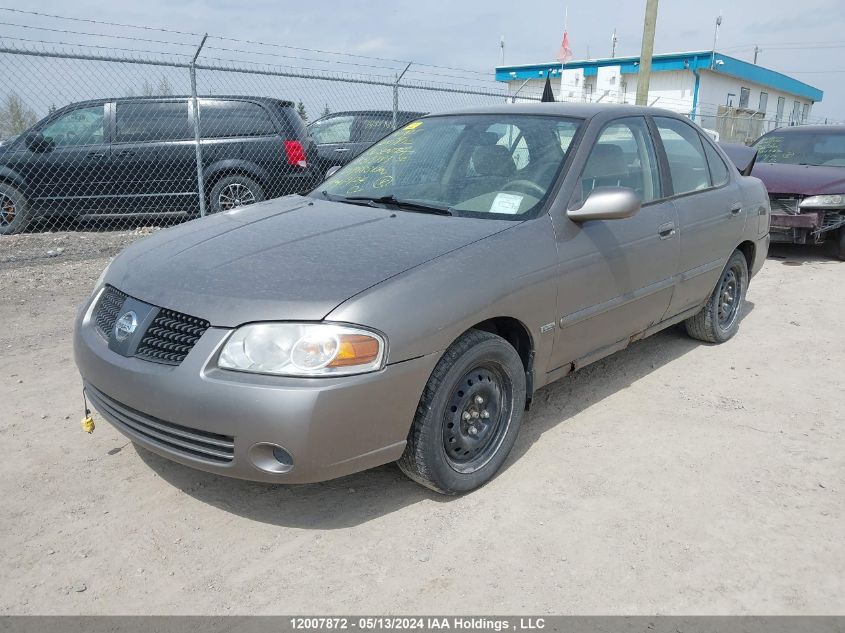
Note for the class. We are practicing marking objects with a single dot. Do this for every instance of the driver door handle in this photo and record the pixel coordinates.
(95, 154)
(666, 231)
(736, 208)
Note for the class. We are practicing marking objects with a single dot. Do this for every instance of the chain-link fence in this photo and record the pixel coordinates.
(116, 140)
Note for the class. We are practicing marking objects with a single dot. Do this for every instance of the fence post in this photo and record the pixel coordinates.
(196, 118)
(396, 96)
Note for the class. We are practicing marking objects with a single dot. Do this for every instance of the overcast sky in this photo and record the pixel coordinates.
(466, 33)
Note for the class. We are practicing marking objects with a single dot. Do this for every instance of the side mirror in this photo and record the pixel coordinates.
(607, 203)
(35, 142)
(331, 171)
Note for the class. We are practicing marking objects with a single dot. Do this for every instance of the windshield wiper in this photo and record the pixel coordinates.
(405, 205)
(366, 202)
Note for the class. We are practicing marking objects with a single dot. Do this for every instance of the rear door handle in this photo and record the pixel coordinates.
(95, 154)
(736, 208)
(666, 231)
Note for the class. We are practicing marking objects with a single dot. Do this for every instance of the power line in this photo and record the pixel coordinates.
(230, 39)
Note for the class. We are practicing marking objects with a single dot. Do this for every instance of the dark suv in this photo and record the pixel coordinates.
(125, 157)
(341, 136)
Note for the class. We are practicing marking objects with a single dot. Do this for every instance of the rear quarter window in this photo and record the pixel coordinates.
(226, 119)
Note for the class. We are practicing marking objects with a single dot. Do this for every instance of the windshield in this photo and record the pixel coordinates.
(498, 165)
(802, 148)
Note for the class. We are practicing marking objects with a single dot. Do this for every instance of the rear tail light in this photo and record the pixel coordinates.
(295, 153)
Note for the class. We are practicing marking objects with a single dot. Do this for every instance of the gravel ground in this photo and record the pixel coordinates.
(673, 477)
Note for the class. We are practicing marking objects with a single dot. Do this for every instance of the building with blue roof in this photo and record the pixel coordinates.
(710, 87)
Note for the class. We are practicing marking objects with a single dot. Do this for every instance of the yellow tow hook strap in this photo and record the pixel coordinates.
(87, 421)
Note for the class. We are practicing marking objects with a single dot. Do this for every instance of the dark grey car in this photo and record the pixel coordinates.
(410, 308)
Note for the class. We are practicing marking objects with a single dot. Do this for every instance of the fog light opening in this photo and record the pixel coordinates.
(271, 458)
(282, 456)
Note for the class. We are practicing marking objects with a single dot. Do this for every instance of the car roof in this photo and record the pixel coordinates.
(282, 102)
(372, 112)
(797, 129)
(577, 110)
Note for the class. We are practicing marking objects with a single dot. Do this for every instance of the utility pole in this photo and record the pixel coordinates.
(649, 26)
(613, 41)
(757, 49)
(502, 46)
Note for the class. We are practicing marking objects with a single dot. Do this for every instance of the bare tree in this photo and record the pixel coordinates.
(162, 89)
(326, 111)
(15, 116)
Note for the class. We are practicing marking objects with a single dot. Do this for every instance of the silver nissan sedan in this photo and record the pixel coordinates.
(410, 307)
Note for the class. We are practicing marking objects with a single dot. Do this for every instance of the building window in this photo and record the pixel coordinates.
(744, 97)
(796, 108)
(805, 112)
(764, 102)
(779, 115)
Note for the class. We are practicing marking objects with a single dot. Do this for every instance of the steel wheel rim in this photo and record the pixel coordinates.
(477, 418)
(729, 297)
(8, 210)
(235, 195)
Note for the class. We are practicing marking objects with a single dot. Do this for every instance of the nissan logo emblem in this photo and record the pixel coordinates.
(125, 326)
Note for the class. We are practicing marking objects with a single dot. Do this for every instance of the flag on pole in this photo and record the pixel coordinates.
(564, 54)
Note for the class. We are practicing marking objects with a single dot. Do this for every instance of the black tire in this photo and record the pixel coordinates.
(841, 244)
(477, 365)
(15, 214)
(719, 319)
(234, 191)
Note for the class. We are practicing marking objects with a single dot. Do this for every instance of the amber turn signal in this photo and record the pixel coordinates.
(356, 349)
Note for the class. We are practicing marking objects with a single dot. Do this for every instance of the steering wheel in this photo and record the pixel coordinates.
(525, 186)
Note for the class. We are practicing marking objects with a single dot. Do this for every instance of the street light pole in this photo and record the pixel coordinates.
(649, 26)
(715, 40)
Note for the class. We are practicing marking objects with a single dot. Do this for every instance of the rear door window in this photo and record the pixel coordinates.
(225, 119)
(718, 169)
(369, 129)
(139, 122)
(685, 152)
(336, 129)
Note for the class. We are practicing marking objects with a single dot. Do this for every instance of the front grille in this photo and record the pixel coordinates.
(170, 337)
(108, 307)
(189, 442)
(167, 340)
(785, 204)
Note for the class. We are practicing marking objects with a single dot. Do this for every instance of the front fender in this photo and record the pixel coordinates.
(513, 274)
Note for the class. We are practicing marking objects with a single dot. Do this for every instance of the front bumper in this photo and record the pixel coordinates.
(330, 426)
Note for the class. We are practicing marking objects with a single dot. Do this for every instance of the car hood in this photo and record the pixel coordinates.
(293, 258)
(808, 180)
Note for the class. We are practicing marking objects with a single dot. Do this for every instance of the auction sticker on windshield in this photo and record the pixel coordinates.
(506, 203)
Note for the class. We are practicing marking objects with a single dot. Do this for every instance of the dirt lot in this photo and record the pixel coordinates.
(674, 477)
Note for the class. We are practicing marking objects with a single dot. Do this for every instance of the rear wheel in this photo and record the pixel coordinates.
(469, 415)
(234, 191)
(841, 244)
(719, 318)
(14, 210)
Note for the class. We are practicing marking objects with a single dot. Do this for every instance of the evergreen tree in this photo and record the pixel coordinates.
(300, 108)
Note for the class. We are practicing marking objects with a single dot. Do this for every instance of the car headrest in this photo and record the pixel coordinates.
(606, 159)
(493, 160)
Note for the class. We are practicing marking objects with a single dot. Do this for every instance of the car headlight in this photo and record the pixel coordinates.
(303, 349)
(831, 201)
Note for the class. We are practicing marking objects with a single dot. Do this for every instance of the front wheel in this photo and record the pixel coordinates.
(234, 191)
(15, 214)
(718, 320)
(469, 415)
